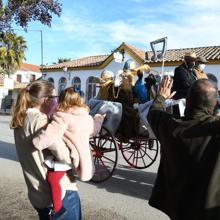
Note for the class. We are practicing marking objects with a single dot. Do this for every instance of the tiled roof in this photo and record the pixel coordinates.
(172, 55)
(82, 62)
(29, 67)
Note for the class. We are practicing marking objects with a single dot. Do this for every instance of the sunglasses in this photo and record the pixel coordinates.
(53, 97)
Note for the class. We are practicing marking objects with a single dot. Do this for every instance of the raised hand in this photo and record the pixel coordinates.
(165, 88)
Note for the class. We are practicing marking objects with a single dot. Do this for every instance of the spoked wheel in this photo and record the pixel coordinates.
(140, 153)
(105, 155)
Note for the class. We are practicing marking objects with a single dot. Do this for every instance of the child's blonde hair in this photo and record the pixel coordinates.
(69, 98)
(29, 97)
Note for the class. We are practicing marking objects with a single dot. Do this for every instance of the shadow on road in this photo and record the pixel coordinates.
(8, 151)
(129, 181)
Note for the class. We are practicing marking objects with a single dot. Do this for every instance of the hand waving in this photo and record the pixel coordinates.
(165, 88)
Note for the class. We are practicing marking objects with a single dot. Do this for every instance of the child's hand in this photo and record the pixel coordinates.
(99, 116)
(135, 105)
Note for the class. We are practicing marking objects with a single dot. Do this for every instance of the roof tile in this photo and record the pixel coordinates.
(172, 55)
(29, 67)
(82, 62)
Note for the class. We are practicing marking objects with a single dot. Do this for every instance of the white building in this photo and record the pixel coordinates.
(9, 85)
(81, 72)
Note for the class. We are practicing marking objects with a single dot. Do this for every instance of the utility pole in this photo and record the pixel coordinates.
(41, 42)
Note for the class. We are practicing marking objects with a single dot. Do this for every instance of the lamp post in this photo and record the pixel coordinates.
(41, 42)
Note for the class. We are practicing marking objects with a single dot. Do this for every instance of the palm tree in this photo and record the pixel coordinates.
(12, 51)
(62, 60)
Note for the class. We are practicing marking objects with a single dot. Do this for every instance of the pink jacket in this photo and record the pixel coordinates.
(75, 127)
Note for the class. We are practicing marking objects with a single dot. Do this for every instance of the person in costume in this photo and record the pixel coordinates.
(140, 90)
(151, 86)
(124, 94)
(104, 83)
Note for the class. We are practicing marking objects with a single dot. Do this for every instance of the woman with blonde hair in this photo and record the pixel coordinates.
(73, 119)
(29, 118)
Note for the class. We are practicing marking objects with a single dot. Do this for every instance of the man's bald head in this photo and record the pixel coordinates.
(202, 95)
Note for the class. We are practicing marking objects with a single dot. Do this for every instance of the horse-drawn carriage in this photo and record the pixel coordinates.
(139, 151)
(121, 131)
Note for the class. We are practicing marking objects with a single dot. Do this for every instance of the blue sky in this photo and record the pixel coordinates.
(94, 27)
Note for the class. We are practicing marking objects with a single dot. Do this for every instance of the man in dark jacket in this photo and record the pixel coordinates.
(188, 181)
(184, 76)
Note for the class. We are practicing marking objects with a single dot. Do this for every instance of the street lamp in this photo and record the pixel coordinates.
(41, 42)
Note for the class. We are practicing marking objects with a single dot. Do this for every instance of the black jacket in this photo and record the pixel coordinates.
(188, 180)
(183, 79)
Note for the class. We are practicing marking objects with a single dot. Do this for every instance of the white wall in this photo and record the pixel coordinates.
(8, 82)
(85, 74)
(26, 75)
(69, 75)
(215, 69)
(25, 78)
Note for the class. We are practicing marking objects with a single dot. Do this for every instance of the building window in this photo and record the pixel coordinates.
(76, 83)
(18, 78)
(62, 84)
(51, 80)
(91, 87)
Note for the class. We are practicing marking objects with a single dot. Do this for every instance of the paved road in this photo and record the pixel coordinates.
(123, 197)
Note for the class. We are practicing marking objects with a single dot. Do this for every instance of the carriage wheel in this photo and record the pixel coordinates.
(105, 155)
(140, 153)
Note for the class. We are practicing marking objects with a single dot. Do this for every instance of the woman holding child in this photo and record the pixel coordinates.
(30, 120)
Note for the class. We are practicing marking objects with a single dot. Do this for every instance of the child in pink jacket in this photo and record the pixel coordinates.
(72, 123)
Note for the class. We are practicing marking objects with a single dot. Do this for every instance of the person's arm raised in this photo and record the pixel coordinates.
(163, 93)
(156, 112)
(165, 88)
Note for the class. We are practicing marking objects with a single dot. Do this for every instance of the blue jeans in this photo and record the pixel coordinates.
(71, 204)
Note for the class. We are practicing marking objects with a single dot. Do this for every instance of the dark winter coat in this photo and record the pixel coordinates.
(183, 79)
(188, 180)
